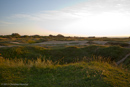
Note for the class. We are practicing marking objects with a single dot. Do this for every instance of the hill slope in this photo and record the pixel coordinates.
(82, 74)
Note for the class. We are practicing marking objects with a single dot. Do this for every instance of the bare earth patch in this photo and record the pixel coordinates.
(65, 42)
(73, 42)
(15, 42)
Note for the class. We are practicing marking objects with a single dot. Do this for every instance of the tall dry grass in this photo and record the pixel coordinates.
(41, 63)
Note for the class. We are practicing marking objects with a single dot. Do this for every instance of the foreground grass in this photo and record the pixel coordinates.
(40, 73)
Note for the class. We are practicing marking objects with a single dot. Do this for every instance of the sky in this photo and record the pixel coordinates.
(66, 17)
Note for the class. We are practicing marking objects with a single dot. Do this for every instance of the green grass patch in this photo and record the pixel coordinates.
(65, 54)
(6, 44)
(82, 74)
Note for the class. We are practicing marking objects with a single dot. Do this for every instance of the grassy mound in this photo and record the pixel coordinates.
(47, 74)
(65, 55)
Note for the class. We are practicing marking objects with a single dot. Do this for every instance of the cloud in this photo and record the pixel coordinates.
(90, 7)
(91, 17)
(26, 16)
(5, 23)
(47, 15)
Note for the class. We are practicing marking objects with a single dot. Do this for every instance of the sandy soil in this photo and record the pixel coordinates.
(15, 42)
(100, 42)
(73, 42)
(65, 42)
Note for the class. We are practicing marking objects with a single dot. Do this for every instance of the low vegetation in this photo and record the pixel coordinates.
(122, 44)
(37, 38)
(126, 63)
(65, 55)
(62, 65)
(45, 73)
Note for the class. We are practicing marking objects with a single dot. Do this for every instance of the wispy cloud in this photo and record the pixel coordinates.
(91, 7)
(27, 16)
(5, 23)
(101, 16)
(48, 15)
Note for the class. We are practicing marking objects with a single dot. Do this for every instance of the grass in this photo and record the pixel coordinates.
(31, 39)
(114, 52)
(126, 63)
(25, 63)
(6, 44)
(122, 44)
(47, 74)
(65, 54)
(61, 65)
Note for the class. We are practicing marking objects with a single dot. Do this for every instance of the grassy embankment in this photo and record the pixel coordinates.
(66, 54)
(68, 67)
(94, 73)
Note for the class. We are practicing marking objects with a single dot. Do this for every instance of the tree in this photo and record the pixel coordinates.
(16, 35)
(60, 35)
(50, 35)
(36, 36)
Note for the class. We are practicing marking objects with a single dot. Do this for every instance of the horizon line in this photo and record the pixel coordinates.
(65, 35)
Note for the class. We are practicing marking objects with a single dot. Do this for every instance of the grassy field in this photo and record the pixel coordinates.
(66, 54)
(60, 65)
(34, 39)
(94, 73)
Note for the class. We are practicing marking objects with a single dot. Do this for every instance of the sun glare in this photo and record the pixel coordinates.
(107, 21)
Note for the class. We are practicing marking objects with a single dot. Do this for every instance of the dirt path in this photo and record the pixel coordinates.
(123, 59)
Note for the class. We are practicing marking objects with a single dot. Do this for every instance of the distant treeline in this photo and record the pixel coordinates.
(17, 35)
(64, 38)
